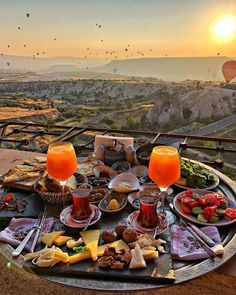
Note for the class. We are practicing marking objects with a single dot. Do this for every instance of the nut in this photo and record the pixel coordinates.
(108, 236)
(130, 235)
(119, 229)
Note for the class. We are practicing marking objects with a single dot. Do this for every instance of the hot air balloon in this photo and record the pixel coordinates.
(27, 14)
(229, 70)
(8, 63)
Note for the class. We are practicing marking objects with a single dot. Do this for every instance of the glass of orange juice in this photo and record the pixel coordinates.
(61, 161)
(164, 168)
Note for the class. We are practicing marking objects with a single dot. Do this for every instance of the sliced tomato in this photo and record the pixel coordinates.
(223, 203)
(186, 200)
(189, 192)
(186, 209)
(181, 196)
(8, 198)
(218, 195)
(230, 213)
(211, 200)
(201, 200)
(208, 212)
(193, 204)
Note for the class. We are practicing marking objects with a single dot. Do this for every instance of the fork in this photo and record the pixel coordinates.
(38, 229)
(22, 245)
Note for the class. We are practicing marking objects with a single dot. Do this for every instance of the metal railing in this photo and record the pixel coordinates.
(37, 137)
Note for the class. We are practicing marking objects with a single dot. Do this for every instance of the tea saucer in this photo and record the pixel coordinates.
(133, 222)
(67, 219)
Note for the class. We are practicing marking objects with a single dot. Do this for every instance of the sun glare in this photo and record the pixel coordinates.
(224, 28)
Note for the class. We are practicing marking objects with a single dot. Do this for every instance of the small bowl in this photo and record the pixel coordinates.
(139, 171)
(98, 182)
(104, 171)
(143, 153)
(121, 166)
(124, 183)
(95, 197)
(121, 199)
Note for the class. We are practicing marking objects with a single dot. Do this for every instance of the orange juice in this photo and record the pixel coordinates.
(61, 160)
(164, 166)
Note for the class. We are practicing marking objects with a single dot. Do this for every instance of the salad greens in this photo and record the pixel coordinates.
(196, 175)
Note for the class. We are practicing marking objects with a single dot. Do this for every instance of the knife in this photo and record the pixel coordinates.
(22, 245)
(38, 230)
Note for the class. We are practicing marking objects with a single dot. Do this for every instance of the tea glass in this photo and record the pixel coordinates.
(81, 209)
(148, 216)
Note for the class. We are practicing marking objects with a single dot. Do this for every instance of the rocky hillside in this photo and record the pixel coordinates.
(26, 115)
(84, 88)
(196, 105)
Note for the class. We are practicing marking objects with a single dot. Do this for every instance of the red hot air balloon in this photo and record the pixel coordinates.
(229, 70)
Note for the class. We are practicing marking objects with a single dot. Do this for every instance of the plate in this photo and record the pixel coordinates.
(133, 199)
(132, 222)
(217, 181)
(215, 184)
(67, 219)
(192, 218)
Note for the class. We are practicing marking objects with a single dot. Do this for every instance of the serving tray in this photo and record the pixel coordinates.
(90, 269)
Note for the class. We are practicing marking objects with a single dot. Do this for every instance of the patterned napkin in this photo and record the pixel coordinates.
(185, 247)
(18, 228)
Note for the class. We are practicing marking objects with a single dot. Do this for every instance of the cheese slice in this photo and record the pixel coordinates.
(49, 238)
(90, 238)
(137, 260)
(61, 240)
(79, 257)
(118, 245)
(149, 254)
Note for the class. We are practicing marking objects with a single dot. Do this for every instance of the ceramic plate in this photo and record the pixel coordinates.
(192, 217)
(67, 219)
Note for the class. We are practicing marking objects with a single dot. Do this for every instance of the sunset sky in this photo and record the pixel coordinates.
(129, 28)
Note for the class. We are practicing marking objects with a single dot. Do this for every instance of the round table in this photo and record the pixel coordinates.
(183, 273)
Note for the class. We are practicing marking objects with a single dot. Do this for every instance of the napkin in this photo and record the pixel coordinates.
(18, 229)
(185, 247)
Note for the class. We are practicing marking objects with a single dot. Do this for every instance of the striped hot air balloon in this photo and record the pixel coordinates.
(229, 70)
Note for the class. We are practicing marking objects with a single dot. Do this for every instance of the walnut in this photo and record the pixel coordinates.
(105, 261)
(130, 235)
(119, 229)
(108, 236)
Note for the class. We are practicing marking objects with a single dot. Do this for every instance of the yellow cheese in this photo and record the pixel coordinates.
(149, 254)
(49, 238)
(79, 257)
(62, 256)
(90, 238)
(118, 245)
(61, 240)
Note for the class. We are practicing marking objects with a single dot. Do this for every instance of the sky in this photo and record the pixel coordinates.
(129, 28)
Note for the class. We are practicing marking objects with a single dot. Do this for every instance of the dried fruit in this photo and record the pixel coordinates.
(130, 235)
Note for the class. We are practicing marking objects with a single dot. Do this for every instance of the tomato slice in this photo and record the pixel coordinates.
(181, 196)
(230, 213)
(208, 212)
(211, 200)
(186, 200)
(186, 209)
(201, 200)
(193, 204)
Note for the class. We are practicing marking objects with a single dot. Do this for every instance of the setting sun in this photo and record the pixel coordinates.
(224, 28)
